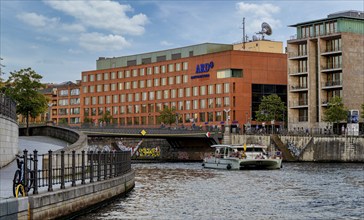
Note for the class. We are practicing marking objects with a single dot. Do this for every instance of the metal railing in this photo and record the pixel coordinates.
(7, 107)
(74, 168)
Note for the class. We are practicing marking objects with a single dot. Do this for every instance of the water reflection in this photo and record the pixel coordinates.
(187, 191)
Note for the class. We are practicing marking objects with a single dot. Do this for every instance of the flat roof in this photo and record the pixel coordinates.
(352, 14)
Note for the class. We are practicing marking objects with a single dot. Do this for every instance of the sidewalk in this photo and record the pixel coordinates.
(40, 143)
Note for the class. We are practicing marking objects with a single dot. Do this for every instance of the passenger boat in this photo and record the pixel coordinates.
(239, 157)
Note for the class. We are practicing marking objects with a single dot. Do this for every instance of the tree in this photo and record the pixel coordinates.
(106, 117)
(335, 111)
(167, 116)
(271, 108)
(23, 86)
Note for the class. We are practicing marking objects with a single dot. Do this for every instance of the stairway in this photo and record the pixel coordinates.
(287, 155)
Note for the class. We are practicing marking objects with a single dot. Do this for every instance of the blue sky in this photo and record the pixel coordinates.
(60, 39)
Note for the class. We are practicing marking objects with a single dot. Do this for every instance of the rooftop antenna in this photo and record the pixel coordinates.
(243, 33)
(266, 29)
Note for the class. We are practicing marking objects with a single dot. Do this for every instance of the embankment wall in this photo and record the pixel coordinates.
(67, 202)
(314, 148)
(8, 140)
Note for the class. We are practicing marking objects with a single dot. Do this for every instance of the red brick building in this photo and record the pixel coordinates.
(200, 81)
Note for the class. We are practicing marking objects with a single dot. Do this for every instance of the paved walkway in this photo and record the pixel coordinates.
(40, 143)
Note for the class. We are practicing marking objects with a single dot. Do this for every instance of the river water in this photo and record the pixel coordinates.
(188, 191)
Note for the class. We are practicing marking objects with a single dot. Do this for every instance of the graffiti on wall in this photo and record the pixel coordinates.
(148, 152)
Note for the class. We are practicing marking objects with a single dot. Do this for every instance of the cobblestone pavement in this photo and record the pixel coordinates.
(40, 143)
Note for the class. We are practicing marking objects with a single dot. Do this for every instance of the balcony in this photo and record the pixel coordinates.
(297, 72)
(331, 68)
(331, 51)
(297, 55)
(302, 103)
(332, 84)
(298, 88)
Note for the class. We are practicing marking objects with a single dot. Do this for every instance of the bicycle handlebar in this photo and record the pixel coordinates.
(22, 157)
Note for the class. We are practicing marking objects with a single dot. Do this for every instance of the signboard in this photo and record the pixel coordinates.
(203, 68)
(353, 129)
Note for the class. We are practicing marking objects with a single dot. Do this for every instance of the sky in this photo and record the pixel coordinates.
(60, 39)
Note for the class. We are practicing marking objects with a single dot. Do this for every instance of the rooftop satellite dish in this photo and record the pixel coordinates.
(266, 29)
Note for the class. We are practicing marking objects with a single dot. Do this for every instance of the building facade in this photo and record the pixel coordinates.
(64, 103)
(205, 83)
(325, 59)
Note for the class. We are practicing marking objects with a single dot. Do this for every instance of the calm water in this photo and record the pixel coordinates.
(187, 191)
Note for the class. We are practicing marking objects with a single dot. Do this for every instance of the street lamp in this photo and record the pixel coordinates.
(49, 111)
(227, 116)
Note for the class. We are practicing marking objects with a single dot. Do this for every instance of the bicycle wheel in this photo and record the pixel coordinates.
(30, 179)
(16, 181)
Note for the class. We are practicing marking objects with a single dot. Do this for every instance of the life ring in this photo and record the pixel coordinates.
(228, 166)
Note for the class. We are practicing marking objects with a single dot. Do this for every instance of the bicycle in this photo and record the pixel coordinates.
(19, 185)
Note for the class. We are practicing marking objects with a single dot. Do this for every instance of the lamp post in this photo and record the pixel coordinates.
(49, 111)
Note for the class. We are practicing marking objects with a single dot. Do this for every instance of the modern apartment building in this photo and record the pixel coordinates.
(64, 103)
(325, 59)
(202, 82)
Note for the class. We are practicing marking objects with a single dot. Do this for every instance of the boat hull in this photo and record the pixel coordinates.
(242, 164)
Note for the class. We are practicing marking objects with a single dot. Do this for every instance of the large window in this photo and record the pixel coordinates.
(228, 73)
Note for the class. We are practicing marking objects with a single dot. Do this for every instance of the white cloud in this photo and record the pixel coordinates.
(37, 20)
(256, 14)
(101, 42)
(166, 43)
(105, 15)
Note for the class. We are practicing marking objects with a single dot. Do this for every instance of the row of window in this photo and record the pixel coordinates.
(64, 92)
(173, 67)
(318, 29)
(73, 101)
(214, 116)
(66, 111)
(136, 84)
(150, 108)
(152, 95)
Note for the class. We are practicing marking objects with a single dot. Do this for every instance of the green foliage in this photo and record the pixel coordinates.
(106, 117)
(23, 86)
(167, 116)
(87, 120)
(335, 111)
(271, 108)
(362, 110)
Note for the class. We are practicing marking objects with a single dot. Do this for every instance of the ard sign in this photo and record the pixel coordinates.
(203, 68)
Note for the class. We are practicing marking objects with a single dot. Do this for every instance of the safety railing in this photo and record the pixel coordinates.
(73, 168)
(7, 107)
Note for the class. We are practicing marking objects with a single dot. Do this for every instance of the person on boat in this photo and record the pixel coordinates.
(243, 155)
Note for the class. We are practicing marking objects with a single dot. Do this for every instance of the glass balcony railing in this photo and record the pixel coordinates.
(302, 103)
(331, 67)
(297, 71)
(298, 88)
(329, 84)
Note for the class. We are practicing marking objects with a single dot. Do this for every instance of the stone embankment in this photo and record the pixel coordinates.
(312, 148)
(8, 131)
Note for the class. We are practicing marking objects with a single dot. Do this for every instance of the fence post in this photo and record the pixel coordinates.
(62, 170)
(35, 168)
(105, 165)
(91, 157)
(25, 171)
(73, 168)
(50, 176)
(99, 166)
(111, 155)
(83, 167)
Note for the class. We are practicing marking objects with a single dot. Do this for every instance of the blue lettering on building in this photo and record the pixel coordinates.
(204, 67)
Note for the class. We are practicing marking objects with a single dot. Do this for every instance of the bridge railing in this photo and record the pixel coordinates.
(7, 107)
(48, 170)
